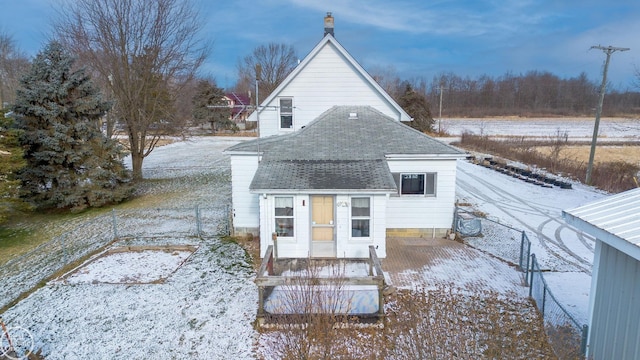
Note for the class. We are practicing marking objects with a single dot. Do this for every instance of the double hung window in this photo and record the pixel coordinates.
(360, 216)
(284, 216)
(286, 113)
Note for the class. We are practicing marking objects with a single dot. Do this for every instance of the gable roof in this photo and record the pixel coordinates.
(336, 151)
(240, 102)
(328, 40)
(614, 220)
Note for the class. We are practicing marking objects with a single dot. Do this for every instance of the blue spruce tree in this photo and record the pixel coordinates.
(70, 163)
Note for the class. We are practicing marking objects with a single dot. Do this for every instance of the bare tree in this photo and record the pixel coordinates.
(145, 52)
(13, 63)
(389, 80)
(276, 61)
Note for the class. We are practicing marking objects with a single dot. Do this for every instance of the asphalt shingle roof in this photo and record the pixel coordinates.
(333, 136)
(338, 152)
(324, 175)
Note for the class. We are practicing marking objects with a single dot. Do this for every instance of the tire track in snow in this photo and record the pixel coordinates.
(505, 201)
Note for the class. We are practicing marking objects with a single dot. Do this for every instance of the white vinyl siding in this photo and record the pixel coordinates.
(246, 211)
(424, 212)
(328, 80)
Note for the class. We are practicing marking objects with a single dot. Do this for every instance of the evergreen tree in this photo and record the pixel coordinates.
(416, 105)
(208, 94)
(11, 162)
(70, 163)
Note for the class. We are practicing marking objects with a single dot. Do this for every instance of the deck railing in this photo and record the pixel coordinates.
(269, 277)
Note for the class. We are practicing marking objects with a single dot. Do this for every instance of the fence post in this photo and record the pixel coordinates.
(533, 262)
(115, 223)
(64, 248)
(528, 250)
(521, 259)
(229, 221)
(198, 225)
(455, 220)
(583, 344)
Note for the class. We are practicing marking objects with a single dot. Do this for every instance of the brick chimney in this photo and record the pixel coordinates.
(328, 24)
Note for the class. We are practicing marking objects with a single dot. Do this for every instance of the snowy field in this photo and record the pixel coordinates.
(205, 306)
(610, 129)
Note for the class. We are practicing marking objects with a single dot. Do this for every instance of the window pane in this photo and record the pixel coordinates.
(360, 207)
(413, 184)
(286, 106)
(286, 121)
(284, 226)
(360, 228)
(284, 206)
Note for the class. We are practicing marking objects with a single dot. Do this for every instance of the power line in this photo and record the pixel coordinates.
(607, 50)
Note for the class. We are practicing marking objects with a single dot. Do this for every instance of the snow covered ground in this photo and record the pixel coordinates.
(205, 309)
(565, 255)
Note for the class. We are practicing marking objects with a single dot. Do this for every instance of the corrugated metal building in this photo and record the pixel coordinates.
(614, 303)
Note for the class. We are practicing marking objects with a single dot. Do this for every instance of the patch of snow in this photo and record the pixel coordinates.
(467, 270)
(144, 266)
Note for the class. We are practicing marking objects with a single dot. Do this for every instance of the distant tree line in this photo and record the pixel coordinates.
(534, 93)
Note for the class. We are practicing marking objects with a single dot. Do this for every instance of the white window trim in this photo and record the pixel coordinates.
(424, 193)
(293, 216)
(293, 119)
(370, 218)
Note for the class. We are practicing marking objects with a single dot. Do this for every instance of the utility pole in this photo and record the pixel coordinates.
(440, 112)
(258, 77)
(607, 50)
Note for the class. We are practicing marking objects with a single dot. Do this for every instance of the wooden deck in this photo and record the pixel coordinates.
(304, 275)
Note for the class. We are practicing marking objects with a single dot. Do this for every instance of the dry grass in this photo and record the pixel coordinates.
(611, 176)
(608, 153)
(444, 323)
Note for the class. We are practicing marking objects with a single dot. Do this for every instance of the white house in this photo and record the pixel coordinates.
(614, 300)
(334, 170)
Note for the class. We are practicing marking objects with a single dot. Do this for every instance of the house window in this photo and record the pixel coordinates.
(360, 217)
(286, 113)
(284, 216)
(417, 184)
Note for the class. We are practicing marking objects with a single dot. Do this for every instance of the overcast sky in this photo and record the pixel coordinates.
(417, 38)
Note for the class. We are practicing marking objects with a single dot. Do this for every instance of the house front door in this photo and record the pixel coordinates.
(323, 242)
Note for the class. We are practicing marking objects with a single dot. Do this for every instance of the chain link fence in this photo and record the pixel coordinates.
(502, 241)
(21, 274)
(567, 336)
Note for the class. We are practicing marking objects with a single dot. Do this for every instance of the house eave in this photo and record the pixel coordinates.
(245, 153)
(425, 156)
(324, 191)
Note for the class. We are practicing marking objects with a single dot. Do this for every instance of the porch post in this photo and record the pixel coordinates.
(274, 237)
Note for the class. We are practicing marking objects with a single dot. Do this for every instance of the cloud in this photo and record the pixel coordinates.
(460, 18)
